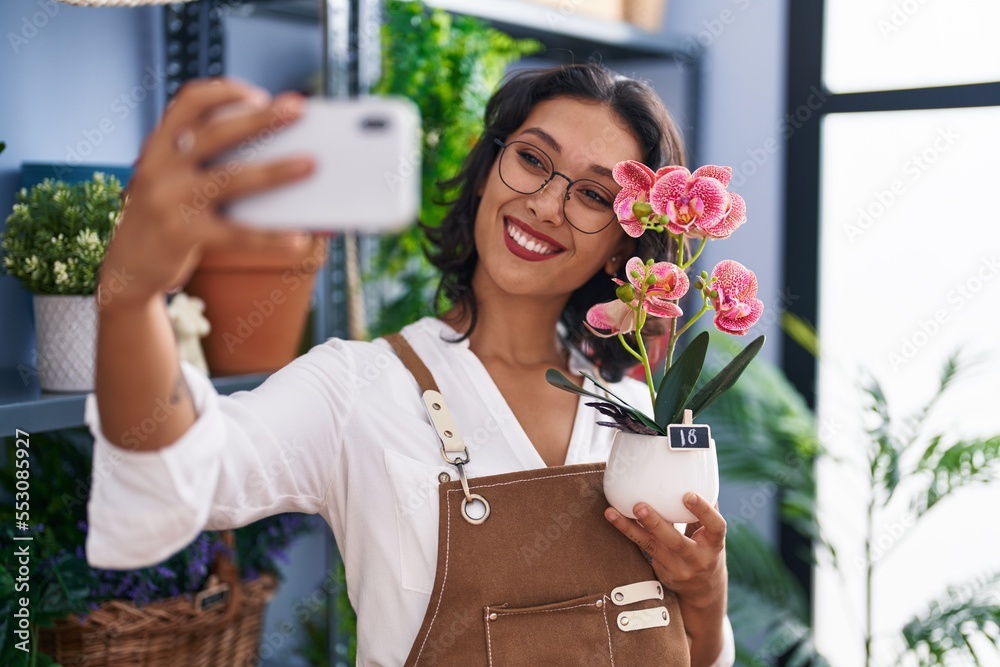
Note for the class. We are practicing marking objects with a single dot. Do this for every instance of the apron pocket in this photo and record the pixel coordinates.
(575, 632)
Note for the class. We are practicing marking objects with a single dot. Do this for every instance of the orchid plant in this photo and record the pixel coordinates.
(691, 208)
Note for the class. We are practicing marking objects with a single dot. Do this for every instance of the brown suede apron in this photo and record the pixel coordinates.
(529, 572)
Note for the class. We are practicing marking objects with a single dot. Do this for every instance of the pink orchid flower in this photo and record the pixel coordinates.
(615, 317)
(698, 204)
(663, 282)
(736, 305)
(671, 284)
(636, 180)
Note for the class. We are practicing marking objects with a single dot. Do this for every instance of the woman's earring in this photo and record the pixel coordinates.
(612, 266)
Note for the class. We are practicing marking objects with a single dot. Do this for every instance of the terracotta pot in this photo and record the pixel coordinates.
(257, 302)
(647, 14)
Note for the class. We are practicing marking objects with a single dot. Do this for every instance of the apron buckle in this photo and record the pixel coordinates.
(475, 508)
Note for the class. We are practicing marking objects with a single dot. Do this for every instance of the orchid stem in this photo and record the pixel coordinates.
(697, 254)
(694, 319)
(628, 348)
(645, 366)
(670, 344)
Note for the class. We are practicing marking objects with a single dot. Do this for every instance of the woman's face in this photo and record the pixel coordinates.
(524, 243)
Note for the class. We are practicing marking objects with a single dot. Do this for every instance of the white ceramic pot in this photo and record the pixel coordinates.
(643, 468)
(66, 337)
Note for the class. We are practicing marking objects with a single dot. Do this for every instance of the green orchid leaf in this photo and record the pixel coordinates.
(679, 381)
(557, 379)
(726, 378)
(610, 393)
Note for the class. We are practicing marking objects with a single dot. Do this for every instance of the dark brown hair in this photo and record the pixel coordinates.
(452, 248)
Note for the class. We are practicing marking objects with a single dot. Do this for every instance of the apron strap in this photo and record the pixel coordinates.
(453, 448)
(413, 362)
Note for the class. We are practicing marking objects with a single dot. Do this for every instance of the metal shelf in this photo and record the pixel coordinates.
(568, 36)
(24, 406)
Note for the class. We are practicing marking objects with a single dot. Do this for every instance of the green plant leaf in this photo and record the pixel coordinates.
(962, 464)
(962, 613)
(679, 381)
(802, 332)
(557, 379)
(726, 378)
(605, 388)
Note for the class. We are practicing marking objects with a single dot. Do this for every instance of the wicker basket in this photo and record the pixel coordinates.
(170, 632)
(647, 14)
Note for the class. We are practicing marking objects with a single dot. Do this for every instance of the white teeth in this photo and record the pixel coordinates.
(530, 245)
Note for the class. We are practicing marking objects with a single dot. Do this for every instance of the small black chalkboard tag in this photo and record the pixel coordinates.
(689, 436)
(211, 597)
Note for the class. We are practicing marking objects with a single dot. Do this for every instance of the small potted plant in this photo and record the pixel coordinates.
(54, 244)
(658, 458)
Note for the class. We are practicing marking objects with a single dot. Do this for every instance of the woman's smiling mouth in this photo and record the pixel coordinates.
(528, 244)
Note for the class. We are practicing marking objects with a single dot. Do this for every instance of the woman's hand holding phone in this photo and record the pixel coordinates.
(172, 208)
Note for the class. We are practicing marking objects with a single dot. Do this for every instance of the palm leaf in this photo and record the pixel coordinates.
(952, 369)
(801, 331)
(679, 381)
(885, 451)
(944, 633)
(962, 464)
(767, 607)
(767, 437)
(726, 378)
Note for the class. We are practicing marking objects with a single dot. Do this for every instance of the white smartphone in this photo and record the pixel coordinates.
(367, 176)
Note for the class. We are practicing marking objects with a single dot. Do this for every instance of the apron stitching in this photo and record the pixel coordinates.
(444, 579)
(525, 481)
(546, 611)
(489, 646)
(604, 609)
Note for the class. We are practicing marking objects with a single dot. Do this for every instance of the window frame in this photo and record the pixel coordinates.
(801, 252)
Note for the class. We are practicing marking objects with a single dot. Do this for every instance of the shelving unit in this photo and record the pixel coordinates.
(568, 36)
(24, 406)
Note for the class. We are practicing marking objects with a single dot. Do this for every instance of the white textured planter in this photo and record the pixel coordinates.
(643, 468)
(66, 337)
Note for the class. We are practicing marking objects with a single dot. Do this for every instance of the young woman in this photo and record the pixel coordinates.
(530, 243)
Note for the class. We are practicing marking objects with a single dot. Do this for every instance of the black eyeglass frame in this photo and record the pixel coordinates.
(569, 182)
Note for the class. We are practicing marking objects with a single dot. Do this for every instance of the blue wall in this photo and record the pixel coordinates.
(73, 91)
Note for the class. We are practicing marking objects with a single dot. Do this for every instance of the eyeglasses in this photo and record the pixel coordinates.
(526, 169)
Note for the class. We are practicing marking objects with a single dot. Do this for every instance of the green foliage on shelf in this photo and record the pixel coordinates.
(449, 66)
(56, 234)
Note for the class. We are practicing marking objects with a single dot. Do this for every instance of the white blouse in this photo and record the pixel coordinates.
(340, 432)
